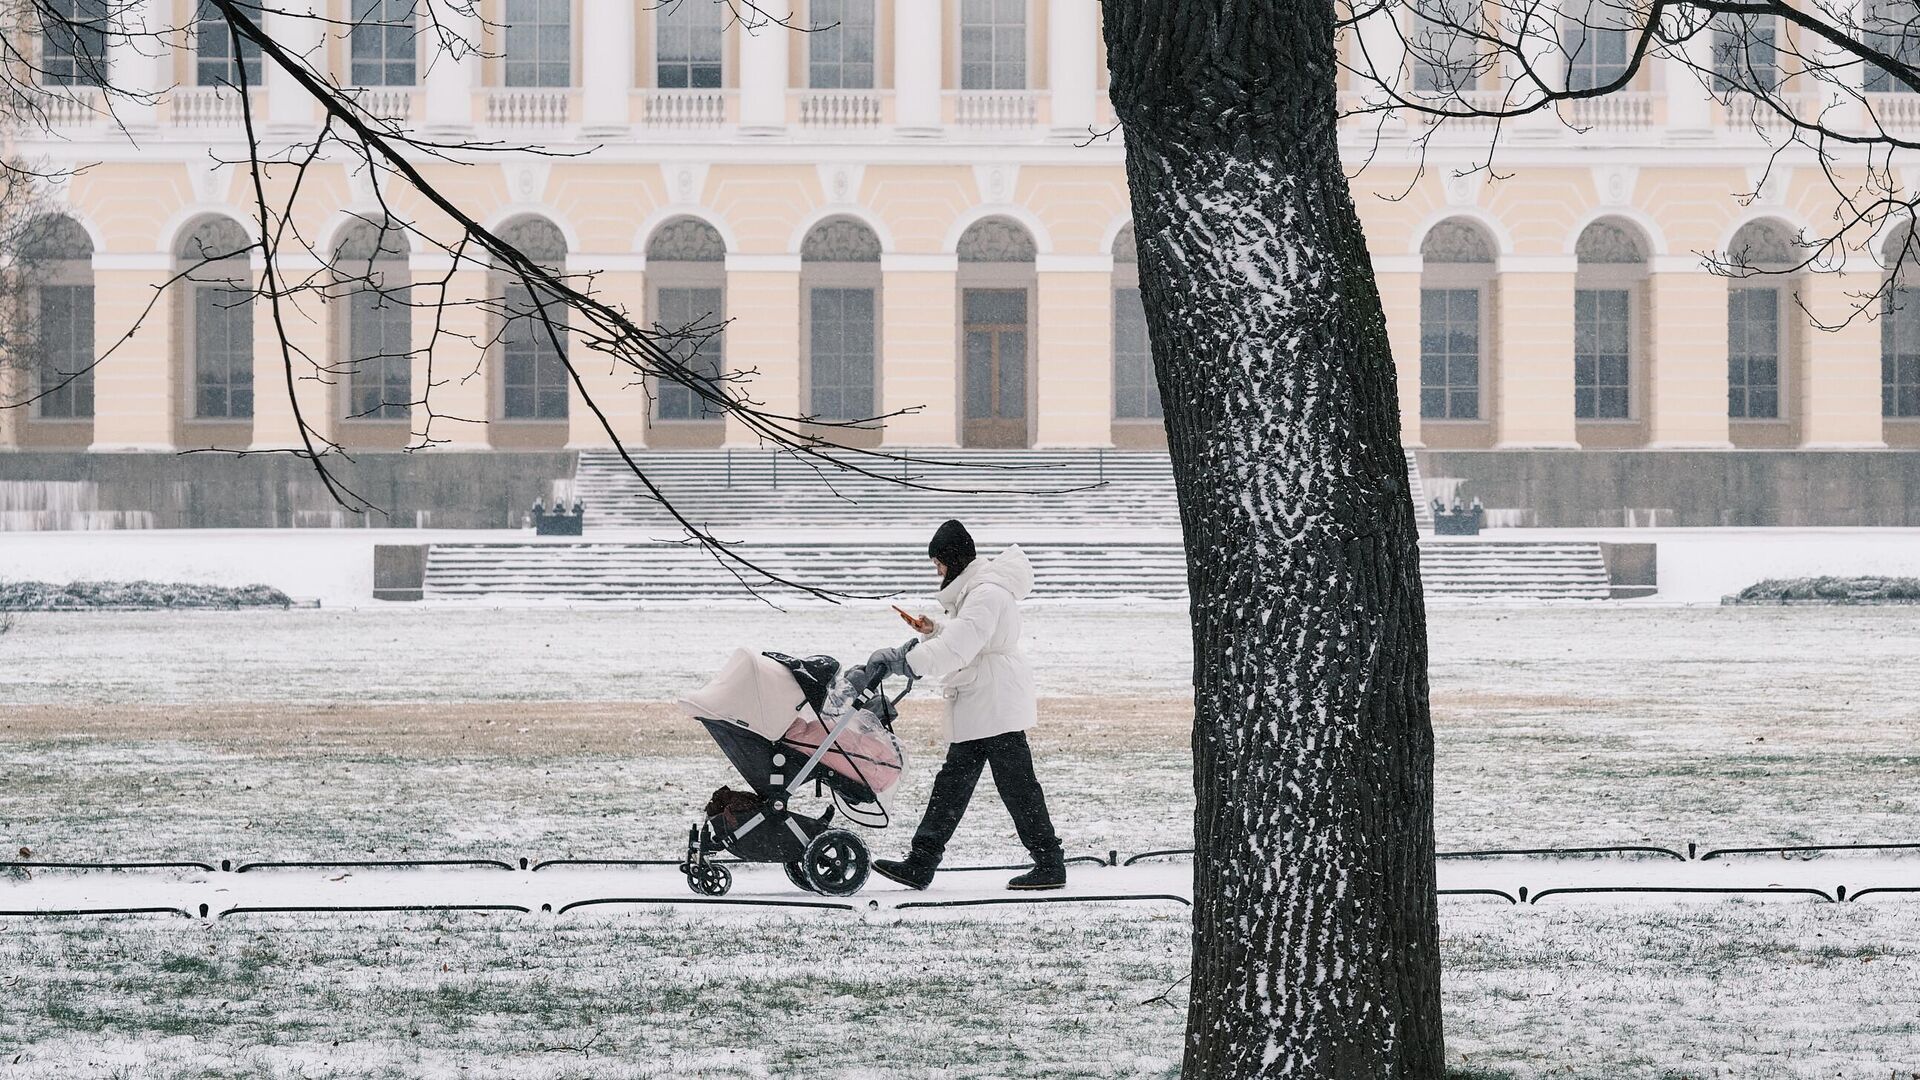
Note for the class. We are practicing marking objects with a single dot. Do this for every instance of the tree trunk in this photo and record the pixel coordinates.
(1315, 941)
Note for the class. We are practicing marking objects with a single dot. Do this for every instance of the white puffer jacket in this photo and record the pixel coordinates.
(976, 650)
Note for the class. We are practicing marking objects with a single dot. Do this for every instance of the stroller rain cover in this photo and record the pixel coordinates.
(760, 694)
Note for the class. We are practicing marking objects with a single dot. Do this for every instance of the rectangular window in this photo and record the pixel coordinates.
(539, 43)
(1900, 353)
(1450, 354)
(993, 44)
(840, 47)
(1744, 54)
(1753, 354)
(213, 62)
(379, 343)
(1594, 35)
(687, 44)
(680, 309)
(534, 343)
(1442, 47)
(1602, 353)
(73, 42)
(1891, 27)
(841, 353)
(1136, 394)
(222, 352)
(65, 357)
(384, 43)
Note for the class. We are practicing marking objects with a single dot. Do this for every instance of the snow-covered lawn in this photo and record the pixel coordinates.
(546, 734)
(1729, 989)
(442, 732)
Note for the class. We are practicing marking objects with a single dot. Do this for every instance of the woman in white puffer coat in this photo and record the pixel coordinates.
(989, 692)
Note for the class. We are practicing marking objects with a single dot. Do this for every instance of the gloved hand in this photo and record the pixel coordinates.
(887, 662)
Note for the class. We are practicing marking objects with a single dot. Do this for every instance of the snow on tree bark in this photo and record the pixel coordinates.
(1315, 925)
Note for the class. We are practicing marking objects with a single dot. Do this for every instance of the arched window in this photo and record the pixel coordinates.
(539, 46)
(1900, 327)
(1456, 271)
(840, 48)
(533, 338)
(371, 263)
(214, 62)
(688, 45)
(686, 273)
(384, 41)
(57, 256)
(1136, 394)
(219, 319)
(1756, 320)
(993, 44)
(840, 271)
(1611, 269)
(996, 281)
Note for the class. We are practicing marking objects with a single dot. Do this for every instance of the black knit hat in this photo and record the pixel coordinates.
(952, 544)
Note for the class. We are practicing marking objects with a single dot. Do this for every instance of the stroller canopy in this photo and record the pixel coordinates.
(751, 691)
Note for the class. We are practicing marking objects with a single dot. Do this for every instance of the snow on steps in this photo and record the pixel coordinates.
(756, 488)
(629, 571)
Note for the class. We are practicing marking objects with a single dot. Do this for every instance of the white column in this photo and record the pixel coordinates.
(452, 72)
(138, 60)
(763, 71)
(1539, 41)
(302, 30)
(1844, 81)
(606, 67)
(1687, 69)
(1073, 30)
(916, 67)
(1380, 62)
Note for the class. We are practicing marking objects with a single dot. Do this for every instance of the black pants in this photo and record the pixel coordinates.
(1012, 763)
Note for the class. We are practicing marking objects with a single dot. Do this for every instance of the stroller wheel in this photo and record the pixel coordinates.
(707, 879)
(798, 876)
(835, 863)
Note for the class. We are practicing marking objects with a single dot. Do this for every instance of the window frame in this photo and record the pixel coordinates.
(194, 327)
(400, 296)
(1614, 277)
(877, 27)
(1719, 72)
(818, 275)
(1891, 384)
(78, 37)
(385, 29)
(83, 383)
(1903, 46)
(957, 52)
(1781, 341)
(660, 15)
(253, 64)
(505, 288)
(1417, 65)
(685, 275)
(1126, 275)
(1481, 323)
(508, 61)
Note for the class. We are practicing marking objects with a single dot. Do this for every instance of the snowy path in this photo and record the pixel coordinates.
(564, 888)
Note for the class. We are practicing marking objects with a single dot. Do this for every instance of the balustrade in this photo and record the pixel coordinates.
(683, 109)
(840, 108)
(529, 108)
(996, 108)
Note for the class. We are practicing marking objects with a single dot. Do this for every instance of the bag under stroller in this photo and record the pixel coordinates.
(786, 723)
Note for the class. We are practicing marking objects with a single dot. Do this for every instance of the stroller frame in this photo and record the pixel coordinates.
(817, 856)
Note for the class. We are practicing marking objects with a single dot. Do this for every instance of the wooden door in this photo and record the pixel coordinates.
(994, 361)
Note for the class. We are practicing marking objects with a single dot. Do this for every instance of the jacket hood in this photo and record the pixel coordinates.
(1010, 570)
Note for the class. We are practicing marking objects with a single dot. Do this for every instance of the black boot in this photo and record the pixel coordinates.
(1049, 872)
(910, 872)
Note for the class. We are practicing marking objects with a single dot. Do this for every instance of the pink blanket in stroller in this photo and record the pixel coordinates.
(865, 752)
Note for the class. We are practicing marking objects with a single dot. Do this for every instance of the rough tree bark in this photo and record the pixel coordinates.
(1315, 942)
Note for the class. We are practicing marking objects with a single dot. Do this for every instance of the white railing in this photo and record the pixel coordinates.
(1893, 111)
(528, 108)
(1744, 112)
(207, 107)
(996, 108)
(1625, 110)
(68, 106)
(385, 102)
(683, 108)
(839, 108)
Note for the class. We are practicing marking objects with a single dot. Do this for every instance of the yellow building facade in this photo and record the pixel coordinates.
(918, 211)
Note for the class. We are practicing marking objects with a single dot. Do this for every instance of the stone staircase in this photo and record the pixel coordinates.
(614, 571)
(735, 489)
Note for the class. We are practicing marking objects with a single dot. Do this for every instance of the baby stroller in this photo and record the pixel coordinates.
(786, 723)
